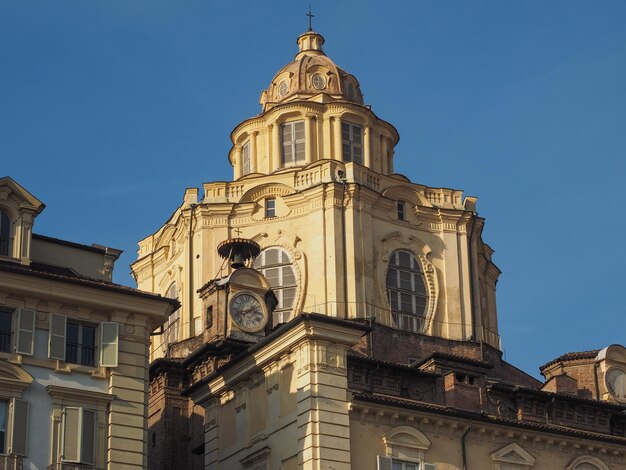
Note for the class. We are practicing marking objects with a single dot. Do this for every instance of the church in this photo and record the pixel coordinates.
(336, 315)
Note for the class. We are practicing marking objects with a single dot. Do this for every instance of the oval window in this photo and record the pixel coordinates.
(318, 81)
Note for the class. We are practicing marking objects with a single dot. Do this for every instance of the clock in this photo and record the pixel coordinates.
(248, 312)
(615, 379)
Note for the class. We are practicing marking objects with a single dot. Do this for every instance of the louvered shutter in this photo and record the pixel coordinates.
(25, 341)
(428, 466)
(56, 337)
(19, 427)
(384, 463)
(109, 339)
(71, 434)
(88, 431)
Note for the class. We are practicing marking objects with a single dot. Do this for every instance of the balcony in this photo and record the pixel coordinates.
(71, 466)
(10, 462)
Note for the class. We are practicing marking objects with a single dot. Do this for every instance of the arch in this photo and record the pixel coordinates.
(406, 441)
(262, 191)
(13, 380)
(407, 194)
(277, 265)
(586, 462)
(614, 352)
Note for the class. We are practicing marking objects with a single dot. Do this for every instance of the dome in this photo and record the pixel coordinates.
(311, 74)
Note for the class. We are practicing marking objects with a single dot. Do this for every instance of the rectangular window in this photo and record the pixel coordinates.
(401, 210)
(79, 435)
(6, 321)
(352, 142)
(292, 134)
(270, 208)
(245, 158)
(80, 344)
(391, 463)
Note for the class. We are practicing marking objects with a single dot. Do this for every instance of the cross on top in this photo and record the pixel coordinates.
(237, 231)
(311, 16)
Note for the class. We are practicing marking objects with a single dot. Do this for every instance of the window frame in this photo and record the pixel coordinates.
(80, 346)
(6, 230)
(408, 320)
(352, 145)
(282, 314)
(270, 207)
(6, 336)
(290, 129)
(401, 210)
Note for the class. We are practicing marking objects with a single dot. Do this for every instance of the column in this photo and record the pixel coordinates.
(367, 157)
(308, 141)
(326, 146)
(383, 155)
(253, 151)
(238, 163)
(337, 139)
(390, 158)
(275, 160)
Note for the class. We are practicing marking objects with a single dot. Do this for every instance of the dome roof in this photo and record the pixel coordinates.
(310, 74)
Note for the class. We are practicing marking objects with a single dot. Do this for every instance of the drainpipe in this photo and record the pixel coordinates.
(463, 446)
(342, 179)
(190, 279)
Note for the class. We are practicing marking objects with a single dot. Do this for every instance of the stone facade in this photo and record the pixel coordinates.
(382, 351)
(73, 351)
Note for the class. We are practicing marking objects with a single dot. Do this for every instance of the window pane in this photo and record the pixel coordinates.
(3, 425)
(5, 330)
(406, 287)
(273, 276)
(88, 438)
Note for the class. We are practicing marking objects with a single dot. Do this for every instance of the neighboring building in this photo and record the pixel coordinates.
(73, 349)
(382, 348)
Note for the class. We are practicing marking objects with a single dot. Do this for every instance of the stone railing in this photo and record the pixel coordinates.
(71, 466)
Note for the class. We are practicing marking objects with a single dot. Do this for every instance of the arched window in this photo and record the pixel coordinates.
(172, 325)
(586, 462)
(277, 267)
(406, 290)
(5, 235)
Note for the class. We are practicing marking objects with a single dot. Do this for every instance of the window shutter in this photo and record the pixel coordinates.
(88, 437)
(71, 434)
(384, 463)
(109, 339)
(25, 341)
(19, 427)
(56, 338)
(428, 466)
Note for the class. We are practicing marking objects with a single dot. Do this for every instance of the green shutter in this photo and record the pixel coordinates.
(384, 463)
(71, 434)
(25, 340)
(56, 337)
(109, 339)
(19, 427)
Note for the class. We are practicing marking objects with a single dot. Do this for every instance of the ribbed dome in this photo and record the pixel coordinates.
(311, 74)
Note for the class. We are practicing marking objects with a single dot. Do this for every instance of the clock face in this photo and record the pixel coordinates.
(247, 312)
(616, 383)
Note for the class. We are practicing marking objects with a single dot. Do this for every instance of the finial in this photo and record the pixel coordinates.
(311, 16)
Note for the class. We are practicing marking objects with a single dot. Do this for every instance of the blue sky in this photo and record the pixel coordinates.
(108, 110)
